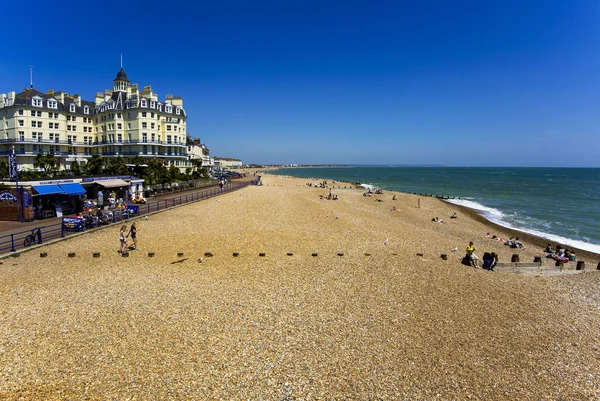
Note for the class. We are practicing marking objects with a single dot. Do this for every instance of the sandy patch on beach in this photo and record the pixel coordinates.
(340, 325)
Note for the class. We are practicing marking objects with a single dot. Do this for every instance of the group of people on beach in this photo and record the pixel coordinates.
(124, 234)
(512, 242)
(490, 259)
(560, 254)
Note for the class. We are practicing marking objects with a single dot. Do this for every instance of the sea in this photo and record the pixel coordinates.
(560, 204)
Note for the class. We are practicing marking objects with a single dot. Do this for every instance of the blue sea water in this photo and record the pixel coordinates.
(561, 204)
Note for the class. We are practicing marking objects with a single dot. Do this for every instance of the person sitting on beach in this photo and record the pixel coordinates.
(437, 220)
(335, 197)
(489, 261)
(471, 255)
(454, 216)
(509, 242)
(394, 197)
(518, 244)
(548, 249)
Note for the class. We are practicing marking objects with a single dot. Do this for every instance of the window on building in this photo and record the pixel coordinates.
(168, 108)
(36, 102)
(72, 108)
(34, 124)
(55, 125)
(34, 149)
(151, 115)
(168, 128)
(68, 118)
(144, 114)
(177, 111)
(144, 125)
(20, 112)
(120, 137)
(22, 135)
(39, 124)
(153, 137)
(152, 104)
(145, 149)
(74, 118)
(144, 137)
(52, 104)
(21, 123)
(86, 109)
(39, 113)
(152, 125)
(144, 103)
(51, 136)
(119, 126)
(119, 115)
(32, 113)
(168, 139)
(128, 125)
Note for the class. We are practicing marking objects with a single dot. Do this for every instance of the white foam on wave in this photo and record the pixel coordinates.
(496, 216)
(369, 186)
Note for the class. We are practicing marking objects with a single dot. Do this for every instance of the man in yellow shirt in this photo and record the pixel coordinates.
(471, 254)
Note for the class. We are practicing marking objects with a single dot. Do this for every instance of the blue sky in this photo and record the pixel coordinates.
(458, 83)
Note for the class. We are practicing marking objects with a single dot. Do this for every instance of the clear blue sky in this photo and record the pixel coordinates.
(458, 83)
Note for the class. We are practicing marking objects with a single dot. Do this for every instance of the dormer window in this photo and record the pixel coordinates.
(152, 104)
(168, 108)
(72, 108)
(36, 101)
(177, 110)
(159, 106)
(52, 104)
(144, 103)
(86, 109)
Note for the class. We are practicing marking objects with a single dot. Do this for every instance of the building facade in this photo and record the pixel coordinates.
(227, 162)
(199, 151)
(122, 122)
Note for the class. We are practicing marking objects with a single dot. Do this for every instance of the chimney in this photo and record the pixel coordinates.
(99, 98)
(60, 96)
(11, 98)
(2, 99)
(77, 99)
(107, 95)
(50, 92)
(196, 141)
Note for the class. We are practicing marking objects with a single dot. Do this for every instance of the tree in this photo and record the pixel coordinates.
(4, 168)
(116, 166)
(75, 169)
(156, 172)
(173, 173)
(94, 165)
(46, 162)
(137, 161)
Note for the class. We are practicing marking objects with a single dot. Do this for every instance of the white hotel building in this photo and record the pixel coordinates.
(122, 122)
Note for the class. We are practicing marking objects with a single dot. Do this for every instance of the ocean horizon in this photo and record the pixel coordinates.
(559, 204)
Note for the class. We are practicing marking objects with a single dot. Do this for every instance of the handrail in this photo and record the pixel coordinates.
(15, 241)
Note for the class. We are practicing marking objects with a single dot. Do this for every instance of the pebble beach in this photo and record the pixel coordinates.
(350, 300)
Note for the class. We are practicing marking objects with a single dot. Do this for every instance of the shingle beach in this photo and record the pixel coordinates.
(340, 307)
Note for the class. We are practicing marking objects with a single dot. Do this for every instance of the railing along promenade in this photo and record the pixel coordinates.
(15, 241)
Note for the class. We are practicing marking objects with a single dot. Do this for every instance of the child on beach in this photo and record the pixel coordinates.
(133, 234)
(123, 239)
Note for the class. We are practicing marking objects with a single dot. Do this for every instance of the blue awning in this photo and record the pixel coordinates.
(74, 188)
(48, 189)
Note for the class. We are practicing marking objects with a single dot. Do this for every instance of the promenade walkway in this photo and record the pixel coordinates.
(13, 234)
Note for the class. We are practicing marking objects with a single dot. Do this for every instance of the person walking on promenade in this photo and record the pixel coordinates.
(123, 239)
(133, 234)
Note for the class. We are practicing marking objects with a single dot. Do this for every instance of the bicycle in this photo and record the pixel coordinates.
(32, 238)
